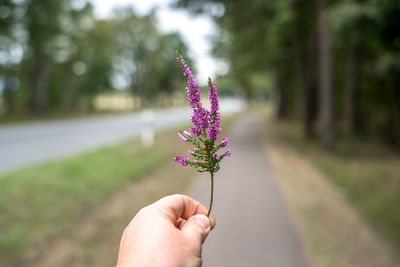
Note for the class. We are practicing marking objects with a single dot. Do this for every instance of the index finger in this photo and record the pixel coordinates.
(181, 206)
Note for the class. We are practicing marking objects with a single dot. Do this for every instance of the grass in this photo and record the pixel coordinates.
(39, 202)
(366, 174)
(94, 240)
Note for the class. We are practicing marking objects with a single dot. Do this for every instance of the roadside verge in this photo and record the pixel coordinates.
(333, 232)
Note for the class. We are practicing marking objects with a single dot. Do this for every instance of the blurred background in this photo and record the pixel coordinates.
(91, 97)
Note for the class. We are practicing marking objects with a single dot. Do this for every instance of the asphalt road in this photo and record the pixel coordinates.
(31, 143)
(25, 144)
(253, 225)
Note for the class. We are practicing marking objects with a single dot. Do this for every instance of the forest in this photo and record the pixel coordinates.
(334, 65)
(55, 56)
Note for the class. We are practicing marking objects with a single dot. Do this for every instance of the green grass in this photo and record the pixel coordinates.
(38, 203)
(368, 175)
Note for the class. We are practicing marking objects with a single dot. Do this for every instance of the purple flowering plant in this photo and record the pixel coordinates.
(204, 131)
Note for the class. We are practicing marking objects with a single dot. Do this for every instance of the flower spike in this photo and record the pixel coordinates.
(205, 129)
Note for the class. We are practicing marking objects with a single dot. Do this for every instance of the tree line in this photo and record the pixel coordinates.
(56, 56)
(333, 64)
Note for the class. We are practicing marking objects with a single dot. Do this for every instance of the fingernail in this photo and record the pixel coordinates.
(203, 221)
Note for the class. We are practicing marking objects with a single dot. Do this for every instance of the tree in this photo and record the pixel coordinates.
(42, 26)
(325, 81)
(145, 57)
(306, 45)
(9, 46)
(66, 56)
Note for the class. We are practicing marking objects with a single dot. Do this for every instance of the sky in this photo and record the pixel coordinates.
(196, 30)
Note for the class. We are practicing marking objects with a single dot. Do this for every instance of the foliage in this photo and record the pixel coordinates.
(56, 56)
(286, 41)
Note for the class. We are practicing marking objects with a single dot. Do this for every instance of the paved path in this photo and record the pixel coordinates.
(253, 225)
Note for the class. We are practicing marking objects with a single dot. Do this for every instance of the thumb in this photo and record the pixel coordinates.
(196, 228)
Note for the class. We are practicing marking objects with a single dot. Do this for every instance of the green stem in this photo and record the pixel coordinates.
(212, 193)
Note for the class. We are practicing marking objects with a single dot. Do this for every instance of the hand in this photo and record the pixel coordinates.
(169, 232)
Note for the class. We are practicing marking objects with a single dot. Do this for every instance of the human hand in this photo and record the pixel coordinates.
(169, 232)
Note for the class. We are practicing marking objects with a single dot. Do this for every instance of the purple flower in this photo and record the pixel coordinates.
(181, 160)
(193, 88)
(200, 117)
(213, 96)
(195, 131)
(187, 133)
(205, 123)
(214, 129)
(199, 120)
(182, 137)
(215, 119)
(224, 142)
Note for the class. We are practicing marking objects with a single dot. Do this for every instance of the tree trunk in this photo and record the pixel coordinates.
(351, 89)
(245, 88)
(9, 95)
(325, 83)
(36, 83)
(306, 45)
(282, 99)
(310, 108)
(394, 117)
